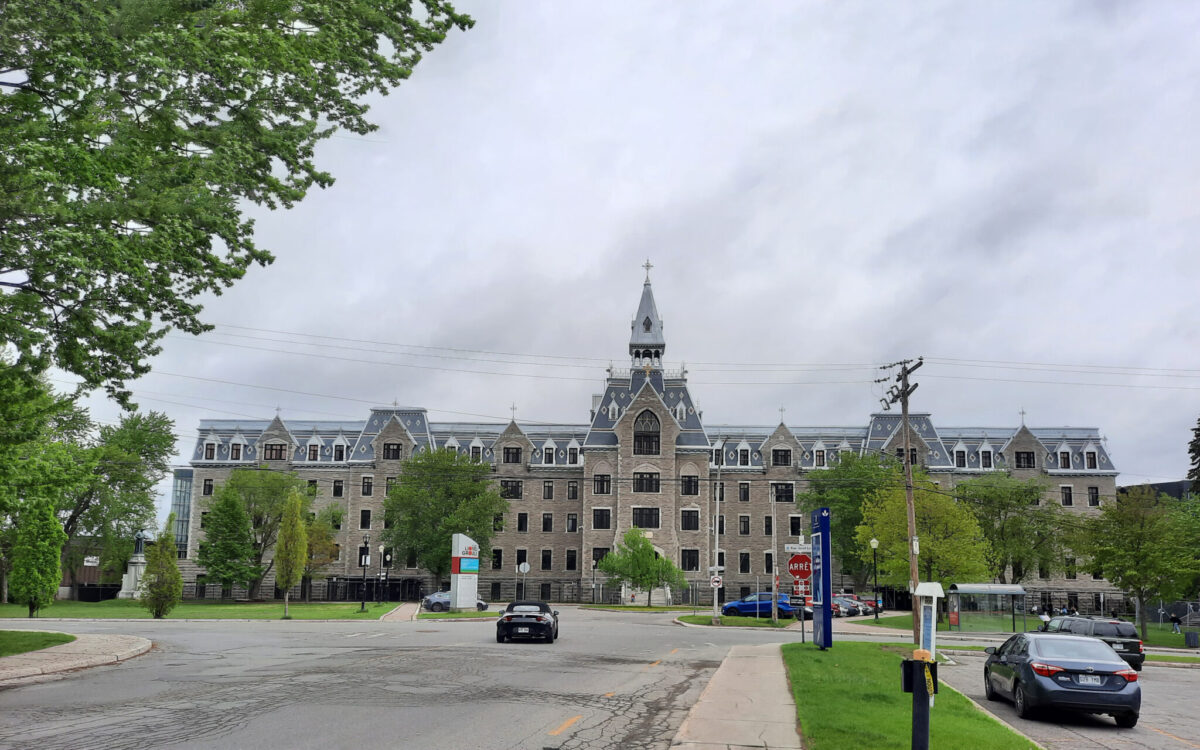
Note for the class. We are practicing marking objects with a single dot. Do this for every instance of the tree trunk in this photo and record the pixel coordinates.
(1140, 605)
(32, 609)
(286, 595)
(649, 595)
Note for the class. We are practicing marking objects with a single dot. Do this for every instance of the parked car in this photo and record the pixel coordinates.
(1121, 635)
(527, 619)
(1069, 672)
(850, 608)
(440, 602)
(834, 606)
(760, 604)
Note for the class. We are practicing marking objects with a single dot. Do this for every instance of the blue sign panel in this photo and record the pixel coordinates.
(468, 565)
(822, 580)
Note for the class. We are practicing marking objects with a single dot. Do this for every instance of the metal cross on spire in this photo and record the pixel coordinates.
(513, 409)
(647, 265)
(1022, 413)
(781, 411)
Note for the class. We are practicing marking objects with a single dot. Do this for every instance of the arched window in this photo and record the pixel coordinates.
(646, 324)
(646, 434)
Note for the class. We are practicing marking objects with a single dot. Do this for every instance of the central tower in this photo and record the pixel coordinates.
(646, 342)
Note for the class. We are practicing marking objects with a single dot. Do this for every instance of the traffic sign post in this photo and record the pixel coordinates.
(800, 566)
(715, 582)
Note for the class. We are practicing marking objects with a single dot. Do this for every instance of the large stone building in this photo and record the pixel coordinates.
(644, 458)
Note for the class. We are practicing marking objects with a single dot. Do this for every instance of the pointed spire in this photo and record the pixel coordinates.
(646, 343)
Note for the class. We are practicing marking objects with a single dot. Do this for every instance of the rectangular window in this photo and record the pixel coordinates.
(312, 486)
(599, 553)
(572, 523)
(718, 491)
(572, 560)
(744, 457)
(819, 458)
(960, 459)
(645, 444)
(985, 459)
(796, 525)
(744, 525)
(602, 484)
(645, 518)
(1043, 572)
(512, 455)
(1093, 497)
(573, 489)
(547, 455)
(511, 489)
(497, 559)
(1070, 568)
(364, 519)
(769, 563)
(645, 481)
(572, 456)
(208, 487)
(476, 453)
(768, 525)
(391, 451)
(547, 490)
(235, 452)
(275, 452)
(547, 559)
(202, 518)
(743, 492)
(689, 560)
(718, 456)
(522, 556)
(522, 522)
(339, 453)
(1067, 498)
(368, 486)
(1097, 575)
(1090, 456)
(1025, 460)
(210, 451)
(743, 562)
(601, 518)
(313, 452)
(721, 558)
(781, 457)
(1064, 460)
(783, 492)
(498, 522)
(721, 524)
(339, 487)
(689, 485)
(689, 520)
(547, 522)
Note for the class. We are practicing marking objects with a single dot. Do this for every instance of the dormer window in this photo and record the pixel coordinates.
(512, 455)
(960, 459)
(275, 452)
(985, 459)
(476, 453)
(718, 456)
(210, 451)
(391, 451)
(339, 453)
(744, 457)
(1090, 457)
(646, 434)
(313, 452)
(1064, 459)
(572, 456)
(548, 455)
(235, 452)
(819, 458)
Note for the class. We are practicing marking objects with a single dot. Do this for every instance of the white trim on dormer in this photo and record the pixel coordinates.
(552, 447)
(744, 446)
(1063, 447)
(451, 442)
(1090, 448)
(820, 446)
(960, 446)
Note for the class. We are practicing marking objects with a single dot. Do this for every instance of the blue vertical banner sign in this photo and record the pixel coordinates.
(822, 580)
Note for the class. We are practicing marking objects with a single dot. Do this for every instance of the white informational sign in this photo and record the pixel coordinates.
(928, 594)
(796, 549)
(464, 572)
(91, 561)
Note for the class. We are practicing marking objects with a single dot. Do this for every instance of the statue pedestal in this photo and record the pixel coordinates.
(133, 577)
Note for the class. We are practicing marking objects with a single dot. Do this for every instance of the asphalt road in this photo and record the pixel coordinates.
(1170, 715)
(611, 680)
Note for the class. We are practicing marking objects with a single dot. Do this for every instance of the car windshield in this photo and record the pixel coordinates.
(526, 607)
(1074, 648)
(1115, 630)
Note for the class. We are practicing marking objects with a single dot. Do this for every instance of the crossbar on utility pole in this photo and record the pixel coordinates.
(901, 393)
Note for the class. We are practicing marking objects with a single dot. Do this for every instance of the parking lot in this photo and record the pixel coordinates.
(1170, 711)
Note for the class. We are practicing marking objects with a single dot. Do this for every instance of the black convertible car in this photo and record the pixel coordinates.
(527, 620)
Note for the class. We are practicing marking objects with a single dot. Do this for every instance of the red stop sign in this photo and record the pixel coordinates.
(800, 566)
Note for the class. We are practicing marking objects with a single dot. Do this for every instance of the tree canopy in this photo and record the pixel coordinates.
(635, 562)
(227, 550)
(291, 551)
(37, 556)
(1023, 535)
(263, 495)
(134, 134)
(161, 587)
(439, 494)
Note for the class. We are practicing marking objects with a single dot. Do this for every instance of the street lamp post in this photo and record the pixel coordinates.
(379, 581)
(875, 562)
(365, 557)
(594, 564)
(387, 575)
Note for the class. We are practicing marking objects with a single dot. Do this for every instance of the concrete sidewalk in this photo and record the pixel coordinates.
(403, 613)
(747, 704)
(84, 651)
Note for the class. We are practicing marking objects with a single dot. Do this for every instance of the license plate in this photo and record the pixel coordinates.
(1091, 679)
(1119, 646)
(522, 630)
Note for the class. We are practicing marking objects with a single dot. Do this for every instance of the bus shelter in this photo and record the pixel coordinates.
(986, 607)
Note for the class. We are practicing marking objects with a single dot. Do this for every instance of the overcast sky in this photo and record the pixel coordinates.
(815, 184)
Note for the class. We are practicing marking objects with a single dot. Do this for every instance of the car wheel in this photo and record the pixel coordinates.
(550, 637)
(988, 691)
(1127, 720)
(1021, 702)
(481, 607)
(499, 637)
(437, 607)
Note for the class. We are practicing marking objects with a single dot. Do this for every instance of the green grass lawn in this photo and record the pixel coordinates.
(867, 676)
(636, 608)
(471, 613)
(127, 608)
(760, 622)
(24, 641)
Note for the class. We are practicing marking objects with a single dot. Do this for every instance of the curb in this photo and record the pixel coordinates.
(66, 657)
(979, 707)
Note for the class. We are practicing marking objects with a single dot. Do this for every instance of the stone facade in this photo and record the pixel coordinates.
(645, 458)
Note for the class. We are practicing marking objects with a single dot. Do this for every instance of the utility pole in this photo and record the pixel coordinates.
(718, 490)
(901, 393)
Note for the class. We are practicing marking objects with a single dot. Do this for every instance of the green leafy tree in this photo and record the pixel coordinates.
(843, 488)
(322, 541)
(37, 556)
(635, 562)
(952, 547)
(1023, 536)
(226, 554)
(264, 494)
(161, 587)
(291, 551)
(133, 136)
(1194, 455)
(1140, 543)
(439, 494)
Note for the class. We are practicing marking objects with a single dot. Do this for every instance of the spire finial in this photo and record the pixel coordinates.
(647, 265)
(513, 409)
(277, 411)
(1022, 413)
(781, 411)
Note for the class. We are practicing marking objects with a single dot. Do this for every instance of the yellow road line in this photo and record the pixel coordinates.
(608, 695)
(654, 663)
(565, 725)
(674, 651)
(1180, 739)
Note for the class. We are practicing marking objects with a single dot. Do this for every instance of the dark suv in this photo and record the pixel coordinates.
(1121, 635)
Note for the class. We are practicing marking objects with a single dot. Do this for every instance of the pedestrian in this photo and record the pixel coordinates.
(1073, 612)
(1045, 618)
(1175, 623)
